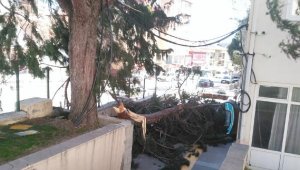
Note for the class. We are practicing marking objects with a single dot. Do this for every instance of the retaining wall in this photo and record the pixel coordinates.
(107, 148)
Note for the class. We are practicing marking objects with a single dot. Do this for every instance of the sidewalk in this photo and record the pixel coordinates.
(210, 160)
(213, 158)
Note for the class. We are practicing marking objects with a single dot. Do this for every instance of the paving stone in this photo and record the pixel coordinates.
(213, 158)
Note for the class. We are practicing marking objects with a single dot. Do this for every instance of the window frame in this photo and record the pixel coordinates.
(286, 112)
(287, 101)
(289, 11)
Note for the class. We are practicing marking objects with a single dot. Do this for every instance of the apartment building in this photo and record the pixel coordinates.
(271, 126)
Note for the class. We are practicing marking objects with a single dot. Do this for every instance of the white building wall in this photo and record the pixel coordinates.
(270, 64)
(269, 59)
(272, 68)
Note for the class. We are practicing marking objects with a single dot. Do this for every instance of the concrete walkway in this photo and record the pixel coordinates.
(213, 158)
(210, 160)
(145, 162)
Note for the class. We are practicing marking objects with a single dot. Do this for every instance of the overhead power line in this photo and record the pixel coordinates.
(206, 43)
(192, 41)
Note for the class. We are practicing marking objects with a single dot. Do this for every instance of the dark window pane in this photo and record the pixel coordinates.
(296, 94)
(269, 125)
(293, 136)
(273, 92)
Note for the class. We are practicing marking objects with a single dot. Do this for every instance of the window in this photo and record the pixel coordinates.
(296, 94)
(293, 10)
(273, 92)
(293, 137)
(220, 63)
(293, 131)
(269, 125)
(272, 107)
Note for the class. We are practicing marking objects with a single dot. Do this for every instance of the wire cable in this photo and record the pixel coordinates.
(217, 39)
(241, 100)
(201, 45)
(193, 41)
(206, 42)
(245, 55)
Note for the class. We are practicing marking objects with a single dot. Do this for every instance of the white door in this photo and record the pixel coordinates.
(276, 129)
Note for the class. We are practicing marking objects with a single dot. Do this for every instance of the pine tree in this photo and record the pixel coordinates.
(235, 48)
(94, 34)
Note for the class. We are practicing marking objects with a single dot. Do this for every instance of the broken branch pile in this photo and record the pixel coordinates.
(172, 128)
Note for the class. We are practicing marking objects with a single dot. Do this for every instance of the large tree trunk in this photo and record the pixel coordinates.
(124, 113)
(155, 117)
(84, 16)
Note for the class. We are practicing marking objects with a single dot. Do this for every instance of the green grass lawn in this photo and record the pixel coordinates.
(13, 146)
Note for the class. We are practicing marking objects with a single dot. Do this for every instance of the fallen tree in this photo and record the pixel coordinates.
(174, 128)
(124, 113)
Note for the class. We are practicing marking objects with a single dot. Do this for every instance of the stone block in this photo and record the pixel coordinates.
(12, 117)
(36, 107)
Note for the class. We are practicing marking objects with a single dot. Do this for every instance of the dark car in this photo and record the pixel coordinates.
(205, 83)
(235, 79)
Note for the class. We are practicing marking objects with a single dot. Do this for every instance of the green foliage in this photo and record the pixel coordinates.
(57, 46)
(237, 58)
(129, 42)
(124, 36)
(291, 47)
(235, 48)
(235, 45)
(15, 29)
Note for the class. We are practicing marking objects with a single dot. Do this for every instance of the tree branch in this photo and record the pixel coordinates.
(8, 9)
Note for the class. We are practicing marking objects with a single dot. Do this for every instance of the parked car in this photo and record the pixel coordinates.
(205, 83)
(235, 79)
(226, 80)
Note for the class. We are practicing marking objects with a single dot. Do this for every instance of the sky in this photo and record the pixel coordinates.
(213, 18)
